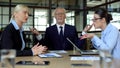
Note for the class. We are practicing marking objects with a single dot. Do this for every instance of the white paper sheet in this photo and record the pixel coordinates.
(58, 51)
(49, 55)
(85, 58)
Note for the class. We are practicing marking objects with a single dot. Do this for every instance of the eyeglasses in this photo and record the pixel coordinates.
(96, 19)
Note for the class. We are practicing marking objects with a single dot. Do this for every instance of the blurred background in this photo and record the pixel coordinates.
(79, 13)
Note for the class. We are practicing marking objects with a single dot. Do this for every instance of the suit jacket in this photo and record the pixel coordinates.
(52, 39)
(11, 39)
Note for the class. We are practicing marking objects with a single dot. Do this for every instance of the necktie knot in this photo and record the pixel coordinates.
(61, 30)
(61, 27)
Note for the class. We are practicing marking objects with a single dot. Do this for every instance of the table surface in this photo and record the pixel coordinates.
(65, 62)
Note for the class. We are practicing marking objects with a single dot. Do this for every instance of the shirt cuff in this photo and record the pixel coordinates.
(83, 32)
(39, 37)
(32, 53)
(95, 41)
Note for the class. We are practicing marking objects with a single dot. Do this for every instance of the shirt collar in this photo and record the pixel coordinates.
(60, 25)
(16, 26)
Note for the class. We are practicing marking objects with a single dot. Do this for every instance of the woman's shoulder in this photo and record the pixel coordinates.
(9, 27)
(113, 28)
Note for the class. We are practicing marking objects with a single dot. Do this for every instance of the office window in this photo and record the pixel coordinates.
(114, 10)
(0, 18)
(70, 18)
(6, 20)
(0, 10)
(41, 18)
(5, 10)
(4, 17)
(116, 19)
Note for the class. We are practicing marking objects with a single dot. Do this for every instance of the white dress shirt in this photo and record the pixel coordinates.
(39, 37)
(58, 28)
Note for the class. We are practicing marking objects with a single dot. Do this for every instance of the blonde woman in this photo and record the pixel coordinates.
(12, 36)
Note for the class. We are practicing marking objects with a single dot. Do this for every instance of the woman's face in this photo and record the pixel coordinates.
(22, 15)
(97, 21)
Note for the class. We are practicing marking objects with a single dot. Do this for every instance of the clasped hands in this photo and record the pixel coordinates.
(39, 49)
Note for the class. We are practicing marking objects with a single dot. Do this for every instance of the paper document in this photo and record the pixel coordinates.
(58, 51)
(85, 58)
(49, 55)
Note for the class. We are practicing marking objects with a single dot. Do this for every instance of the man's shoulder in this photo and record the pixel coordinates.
(50, 27)
(69, 26)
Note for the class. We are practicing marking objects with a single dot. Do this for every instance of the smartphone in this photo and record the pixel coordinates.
(81, 65)
(33, 63)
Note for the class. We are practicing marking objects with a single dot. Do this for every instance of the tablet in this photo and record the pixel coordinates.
(81, 64)
(33, 63)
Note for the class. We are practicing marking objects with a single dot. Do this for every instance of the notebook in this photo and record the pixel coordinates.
(84, 52)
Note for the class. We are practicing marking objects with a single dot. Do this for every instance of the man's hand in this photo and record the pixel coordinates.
(34, 31)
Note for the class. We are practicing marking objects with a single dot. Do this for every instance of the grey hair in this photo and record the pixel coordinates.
(57, 9)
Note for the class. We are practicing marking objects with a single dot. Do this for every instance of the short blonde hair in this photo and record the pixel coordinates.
(18, 8)
(57, 9)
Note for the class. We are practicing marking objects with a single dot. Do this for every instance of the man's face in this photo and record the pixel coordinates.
(60, 16)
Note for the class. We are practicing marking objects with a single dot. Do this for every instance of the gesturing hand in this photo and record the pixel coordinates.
(87, 28)
(89, 35)
(34, 31)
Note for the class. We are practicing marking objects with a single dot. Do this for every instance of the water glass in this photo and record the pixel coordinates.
(105, 58)
(7, 58)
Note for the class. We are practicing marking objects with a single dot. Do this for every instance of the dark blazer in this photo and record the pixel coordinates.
(11, 40)
(52, 39)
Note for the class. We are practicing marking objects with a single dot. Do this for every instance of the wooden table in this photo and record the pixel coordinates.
(63, 62)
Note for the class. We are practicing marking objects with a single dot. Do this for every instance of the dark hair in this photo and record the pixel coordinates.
(104, 14)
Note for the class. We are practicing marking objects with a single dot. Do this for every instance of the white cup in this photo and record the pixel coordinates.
(7, 58)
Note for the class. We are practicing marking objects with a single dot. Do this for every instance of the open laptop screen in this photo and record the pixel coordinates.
(84, 52)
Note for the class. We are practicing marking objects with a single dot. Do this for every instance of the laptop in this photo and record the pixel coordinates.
(84, 52)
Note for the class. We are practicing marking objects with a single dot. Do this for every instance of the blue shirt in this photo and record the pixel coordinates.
(110, 40)
(21, 30)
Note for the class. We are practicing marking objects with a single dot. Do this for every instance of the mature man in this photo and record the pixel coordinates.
(55, 36)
